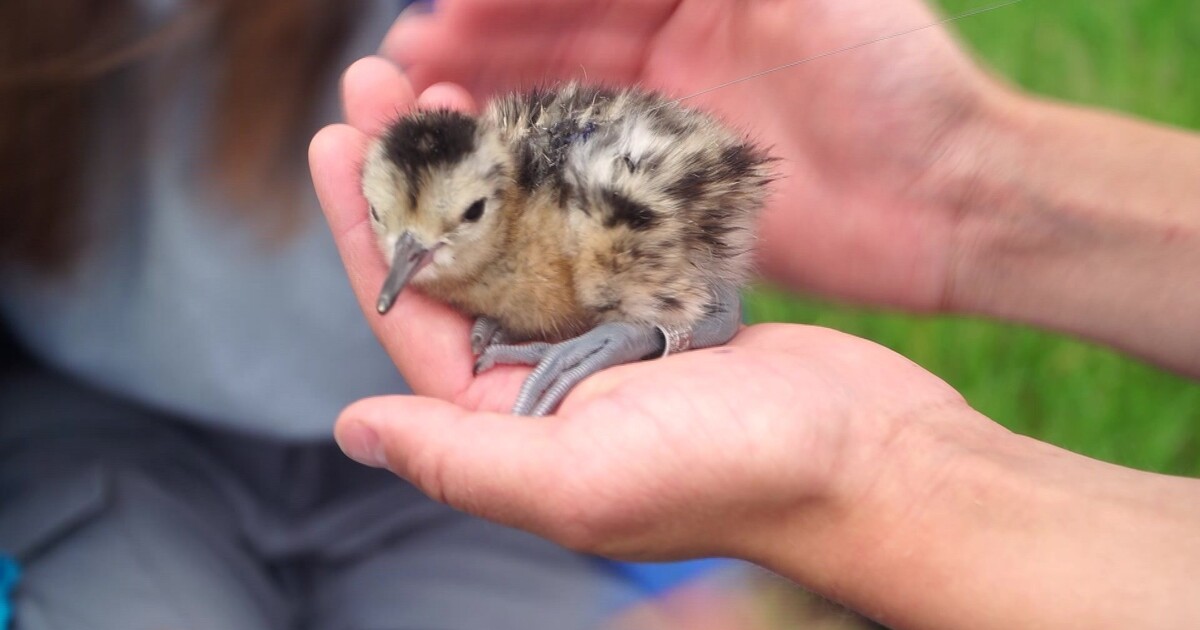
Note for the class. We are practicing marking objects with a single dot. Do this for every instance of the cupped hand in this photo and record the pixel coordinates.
(876, 143)
(702, 453)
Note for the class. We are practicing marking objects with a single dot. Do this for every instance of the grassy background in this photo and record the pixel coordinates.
(1137, 56)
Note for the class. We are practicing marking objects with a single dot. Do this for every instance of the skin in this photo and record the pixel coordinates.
(912, 180)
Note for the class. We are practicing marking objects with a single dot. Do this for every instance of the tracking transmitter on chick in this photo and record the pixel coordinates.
(604, 226)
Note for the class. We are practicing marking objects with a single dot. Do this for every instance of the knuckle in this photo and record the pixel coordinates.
(427, 471)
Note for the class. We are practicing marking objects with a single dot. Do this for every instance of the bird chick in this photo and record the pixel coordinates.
(604, 225)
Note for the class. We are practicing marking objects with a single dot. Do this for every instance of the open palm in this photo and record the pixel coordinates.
(663, 459)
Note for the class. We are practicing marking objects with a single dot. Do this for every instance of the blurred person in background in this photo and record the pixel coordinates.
(910, 179)
(181, 338)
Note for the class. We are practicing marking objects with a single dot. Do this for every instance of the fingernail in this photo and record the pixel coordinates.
(361, 443)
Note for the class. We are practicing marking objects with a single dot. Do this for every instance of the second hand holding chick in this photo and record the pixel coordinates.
(608, 226)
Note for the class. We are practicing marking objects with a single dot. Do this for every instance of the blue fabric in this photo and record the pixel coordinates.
(178, 305)
(657, 579)
(9, 574)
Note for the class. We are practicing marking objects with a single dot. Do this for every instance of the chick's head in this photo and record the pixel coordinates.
(436, 184)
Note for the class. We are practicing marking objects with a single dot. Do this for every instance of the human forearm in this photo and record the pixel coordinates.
(1084, 222)
(964, 523)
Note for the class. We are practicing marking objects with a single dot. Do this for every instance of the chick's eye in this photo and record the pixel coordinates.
(374, 214)
(474, 212)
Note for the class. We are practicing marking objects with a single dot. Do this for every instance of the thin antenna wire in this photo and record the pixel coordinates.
(849, 48)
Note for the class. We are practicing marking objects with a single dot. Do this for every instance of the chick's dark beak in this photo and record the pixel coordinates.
(408, 258)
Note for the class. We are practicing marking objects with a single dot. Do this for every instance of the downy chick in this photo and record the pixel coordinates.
(607, 225)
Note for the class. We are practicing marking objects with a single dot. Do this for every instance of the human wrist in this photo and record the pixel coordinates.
(962, 519)
(822, 542)
(1080, 221)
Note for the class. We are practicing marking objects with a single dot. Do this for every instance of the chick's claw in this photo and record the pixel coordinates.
(564, 365)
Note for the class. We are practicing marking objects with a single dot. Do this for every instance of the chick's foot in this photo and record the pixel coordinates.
(561, 366)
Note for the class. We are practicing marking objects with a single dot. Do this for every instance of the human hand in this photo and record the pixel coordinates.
(700, 454)
(831, 460)
(873, 142)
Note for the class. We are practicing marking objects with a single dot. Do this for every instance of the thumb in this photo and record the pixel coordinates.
(503, 468)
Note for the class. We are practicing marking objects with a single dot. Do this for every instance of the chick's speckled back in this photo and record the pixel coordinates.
(610, 205)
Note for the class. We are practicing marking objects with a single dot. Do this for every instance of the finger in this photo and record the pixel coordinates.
(447, 96)
(410, 33)
(499, 467)
(534, 16)
(512, 61)
(520, 43)
(374, 93)
(426, 339)
(334, 155)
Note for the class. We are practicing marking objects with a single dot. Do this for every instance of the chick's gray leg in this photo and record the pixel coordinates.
(565, 364)
(484, 333)
(720, 324)
(509, 354)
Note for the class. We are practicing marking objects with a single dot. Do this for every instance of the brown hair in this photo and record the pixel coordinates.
(273, 55)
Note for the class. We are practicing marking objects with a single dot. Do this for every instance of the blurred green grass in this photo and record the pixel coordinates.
(1136, 56)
